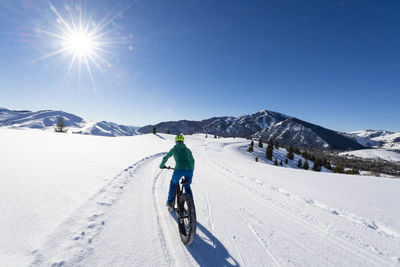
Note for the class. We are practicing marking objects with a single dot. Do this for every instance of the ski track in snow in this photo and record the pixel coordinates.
(212, 228)
(72, 242)
(340, 242)
(163, 240)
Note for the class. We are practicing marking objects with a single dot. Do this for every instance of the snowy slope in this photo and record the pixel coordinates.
(374, 154)
(47, 120)
(390, 141)
(376, 138)
(75, 200)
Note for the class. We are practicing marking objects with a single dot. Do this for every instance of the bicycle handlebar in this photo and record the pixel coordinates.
(168, 167)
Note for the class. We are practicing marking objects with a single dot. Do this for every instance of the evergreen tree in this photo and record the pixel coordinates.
(270, 150)
(286, 161)
(260, 143)
(281, 163)
(256, 159)
(316, 167)
(154, 130)
(168, 132)
(270, 142)
(290, 154)
(306, 166)
(328, 165)
(276, 162)
(251, 149)
(206, 135)
(252, 143)
(276, 144)
(60, 127)
(215, 136)
(300, 164)
(319, 162)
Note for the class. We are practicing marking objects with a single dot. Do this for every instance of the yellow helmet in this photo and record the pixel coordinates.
(179, 138)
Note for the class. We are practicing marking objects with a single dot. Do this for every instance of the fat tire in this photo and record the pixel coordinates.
(188, 236)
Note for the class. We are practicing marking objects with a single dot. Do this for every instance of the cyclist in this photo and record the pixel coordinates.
(184, 167)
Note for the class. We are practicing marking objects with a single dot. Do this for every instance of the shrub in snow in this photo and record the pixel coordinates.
(353, 171)
(339, 168)
(306, 166)
(260, 143)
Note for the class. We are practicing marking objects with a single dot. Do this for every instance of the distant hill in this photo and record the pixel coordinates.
(47, 120)
(376, 138)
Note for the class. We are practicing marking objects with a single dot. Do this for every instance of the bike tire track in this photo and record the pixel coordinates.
(212, 229)
(166, 227)
(72, 241)
(343, 244)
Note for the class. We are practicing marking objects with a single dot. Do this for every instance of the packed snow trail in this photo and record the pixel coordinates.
(242, 220)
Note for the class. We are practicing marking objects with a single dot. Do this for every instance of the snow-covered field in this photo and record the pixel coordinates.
(76, 200)
(374, 154)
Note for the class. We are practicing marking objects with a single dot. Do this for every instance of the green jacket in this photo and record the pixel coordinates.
(182, 155)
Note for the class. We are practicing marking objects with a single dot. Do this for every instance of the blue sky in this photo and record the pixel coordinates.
(333, 63)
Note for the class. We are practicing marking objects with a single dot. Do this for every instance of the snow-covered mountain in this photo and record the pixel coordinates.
(264, 124)
(376, 138)
(47, 119)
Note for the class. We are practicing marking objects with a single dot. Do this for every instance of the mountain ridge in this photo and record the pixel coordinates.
(264, 124)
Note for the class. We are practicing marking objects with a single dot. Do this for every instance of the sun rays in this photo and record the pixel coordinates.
(81, 41)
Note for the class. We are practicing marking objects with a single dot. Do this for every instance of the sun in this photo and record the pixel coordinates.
(81, 40)
(80, 44)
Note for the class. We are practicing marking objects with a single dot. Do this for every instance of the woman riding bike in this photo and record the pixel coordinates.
(184, 167)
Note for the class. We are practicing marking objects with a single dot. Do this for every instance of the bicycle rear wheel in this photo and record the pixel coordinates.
(187, 219)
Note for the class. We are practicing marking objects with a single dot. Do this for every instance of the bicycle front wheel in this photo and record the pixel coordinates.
(187, 219)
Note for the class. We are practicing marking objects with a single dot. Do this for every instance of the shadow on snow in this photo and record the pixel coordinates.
(208, 251)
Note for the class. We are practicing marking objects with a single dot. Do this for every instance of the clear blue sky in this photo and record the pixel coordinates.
(333, 63)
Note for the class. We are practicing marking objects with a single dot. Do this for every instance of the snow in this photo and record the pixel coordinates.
(77, 200)
(374, 154)
(47, 120)
(377, 138)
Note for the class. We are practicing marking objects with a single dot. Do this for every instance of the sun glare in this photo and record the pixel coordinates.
(80, 39)
(80, 43)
